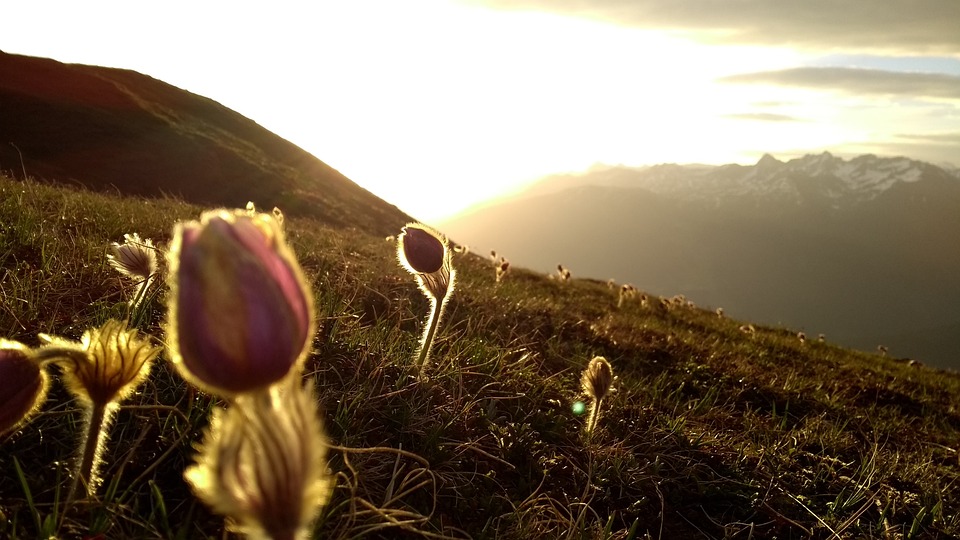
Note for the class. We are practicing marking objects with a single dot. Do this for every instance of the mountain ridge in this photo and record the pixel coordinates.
(861, 178)
(116, 129)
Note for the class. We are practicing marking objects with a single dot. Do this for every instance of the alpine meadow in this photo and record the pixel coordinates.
(177, 363)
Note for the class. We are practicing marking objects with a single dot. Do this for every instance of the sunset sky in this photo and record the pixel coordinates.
(435, 105)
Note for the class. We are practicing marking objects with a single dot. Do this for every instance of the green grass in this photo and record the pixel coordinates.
(711, 433)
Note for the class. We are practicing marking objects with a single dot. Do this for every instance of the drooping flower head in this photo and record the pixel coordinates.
(23, 384)
(106, 365)
(240, 315)
(263, 462)
(135, 258)
(425, 253)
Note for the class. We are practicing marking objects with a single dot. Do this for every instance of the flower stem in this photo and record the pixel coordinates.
(135, 308)
(91, 445)
(429, 333)
(594, 415)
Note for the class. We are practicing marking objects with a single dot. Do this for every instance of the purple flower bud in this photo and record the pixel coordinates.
(23, 384)
(240, 315)
(421, 250)
(424, 253)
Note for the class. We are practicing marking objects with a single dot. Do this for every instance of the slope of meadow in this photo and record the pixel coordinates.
(711, 433)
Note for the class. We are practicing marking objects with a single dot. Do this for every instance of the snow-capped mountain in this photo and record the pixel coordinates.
(863, 250)
(819, 178)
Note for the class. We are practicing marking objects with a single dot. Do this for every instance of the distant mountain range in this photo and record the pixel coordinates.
(866, 251)
(119, 130)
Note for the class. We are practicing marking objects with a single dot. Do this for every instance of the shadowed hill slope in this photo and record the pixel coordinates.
(117, 129)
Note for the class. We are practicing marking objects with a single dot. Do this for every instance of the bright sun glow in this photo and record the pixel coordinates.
(466, 103)
(436, 105)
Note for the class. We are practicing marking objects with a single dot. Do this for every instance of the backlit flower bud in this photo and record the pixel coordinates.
(422, 251)
(597, 378)
(240, 315)
(263, 463)
(23, 384)
(425, 253)
(597, 382)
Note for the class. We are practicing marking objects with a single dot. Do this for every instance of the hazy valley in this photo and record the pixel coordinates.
(862, 250)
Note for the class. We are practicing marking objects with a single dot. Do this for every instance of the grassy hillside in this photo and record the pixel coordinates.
(712, 432)
(121, 131)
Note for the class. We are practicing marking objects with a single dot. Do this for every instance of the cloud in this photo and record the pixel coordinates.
(907, 26)
(764, 104)
(858, 81)
(923, 147)
(941, 138)
(763, 117)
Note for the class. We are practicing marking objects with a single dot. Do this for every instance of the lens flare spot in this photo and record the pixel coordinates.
(579, 408)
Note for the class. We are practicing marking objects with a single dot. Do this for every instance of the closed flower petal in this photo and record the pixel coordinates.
(23, 384)
(421, 250)
(425, 253)
(240, 316)
(597, 379)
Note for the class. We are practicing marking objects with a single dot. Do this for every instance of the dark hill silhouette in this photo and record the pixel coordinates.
(116, 129)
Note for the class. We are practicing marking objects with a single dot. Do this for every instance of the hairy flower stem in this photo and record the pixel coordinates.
(95, 437)
(431, 330)
(594, 415)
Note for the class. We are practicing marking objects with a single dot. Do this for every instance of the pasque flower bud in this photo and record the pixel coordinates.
(23, 384)
(240, 315)
(597, 382)
(422, 250)
(426, 254)
(263, 462)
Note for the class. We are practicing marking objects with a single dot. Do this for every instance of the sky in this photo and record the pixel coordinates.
(437, 105)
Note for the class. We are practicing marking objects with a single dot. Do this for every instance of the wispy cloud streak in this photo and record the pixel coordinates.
(763, 117)
(857, 81)
(906, 26)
